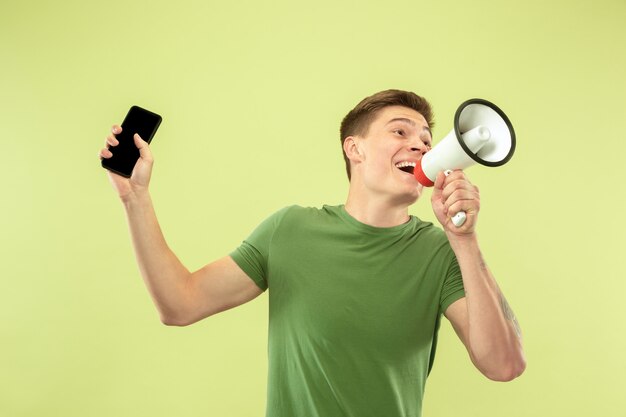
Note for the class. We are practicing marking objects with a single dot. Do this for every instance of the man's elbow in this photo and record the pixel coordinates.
(182, 319)
(512, 370)
(177, 320)
(174, 321)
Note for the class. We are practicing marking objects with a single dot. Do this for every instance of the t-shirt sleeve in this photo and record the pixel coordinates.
(253, 255)
(453, 289)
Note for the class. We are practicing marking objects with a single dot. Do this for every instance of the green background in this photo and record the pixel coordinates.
(252, 94)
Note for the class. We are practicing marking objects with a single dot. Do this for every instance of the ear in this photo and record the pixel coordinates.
(352, 150)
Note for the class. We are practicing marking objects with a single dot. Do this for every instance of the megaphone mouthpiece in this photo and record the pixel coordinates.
(476, 138)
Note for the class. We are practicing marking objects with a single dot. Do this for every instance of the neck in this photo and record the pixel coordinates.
(376, 211)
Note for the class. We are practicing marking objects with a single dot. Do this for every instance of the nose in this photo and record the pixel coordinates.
(419, 146)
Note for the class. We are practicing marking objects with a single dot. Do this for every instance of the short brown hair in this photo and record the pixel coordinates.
(358, 121)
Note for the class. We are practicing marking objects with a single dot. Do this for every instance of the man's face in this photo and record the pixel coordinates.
(397, 139)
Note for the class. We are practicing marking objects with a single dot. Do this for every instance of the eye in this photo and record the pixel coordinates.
(399, 132)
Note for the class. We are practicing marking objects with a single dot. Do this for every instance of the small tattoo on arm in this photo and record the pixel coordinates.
(483, 264)
(509, 315)
(506, 308)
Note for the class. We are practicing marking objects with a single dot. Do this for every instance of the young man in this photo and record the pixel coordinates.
(356, 292)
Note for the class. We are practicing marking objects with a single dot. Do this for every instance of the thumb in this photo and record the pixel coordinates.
(142, 145)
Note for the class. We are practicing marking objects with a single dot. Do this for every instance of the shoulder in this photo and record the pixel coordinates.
(291, 214)
(297, 211)
(428, 230)
(430, 239)
(299, 218)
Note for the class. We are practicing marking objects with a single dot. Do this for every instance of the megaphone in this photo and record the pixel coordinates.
(482, 134)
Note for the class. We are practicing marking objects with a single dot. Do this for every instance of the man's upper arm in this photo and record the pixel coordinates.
(457, 314)
(219, 286)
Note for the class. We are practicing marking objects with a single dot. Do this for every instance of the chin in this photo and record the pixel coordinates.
(409, 198)
(417, 193)
(416, 190)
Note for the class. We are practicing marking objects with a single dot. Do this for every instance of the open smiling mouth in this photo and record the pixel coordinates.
(407, 167)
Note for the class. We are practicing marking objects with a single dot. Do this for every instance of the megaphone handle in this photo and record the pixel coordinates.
(459, 218)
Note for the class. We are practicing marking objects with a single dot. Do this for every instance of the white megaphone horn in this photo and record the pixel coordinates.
(482, 134)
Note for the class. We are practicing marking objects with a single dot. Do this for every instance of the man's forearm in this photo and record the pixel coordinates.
(165, 276)
(494, 334)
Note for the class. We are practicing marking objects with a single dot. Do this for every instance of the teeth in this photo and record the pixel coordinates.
(405, 164)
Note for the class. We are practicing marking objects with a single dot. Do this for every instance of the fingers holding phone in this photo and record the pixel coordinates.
(110, 141)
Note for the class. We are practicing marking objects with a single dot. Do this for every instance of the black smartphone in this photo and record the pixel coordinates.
(126, 154)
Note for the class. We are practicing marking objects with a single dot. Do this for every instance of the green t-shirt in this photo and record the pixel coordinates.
(354, 310)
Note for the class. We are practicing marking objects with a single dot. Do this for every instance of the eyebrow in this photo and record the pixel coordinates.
(411, 122)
